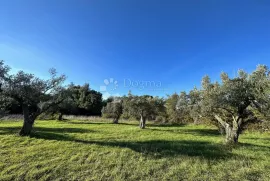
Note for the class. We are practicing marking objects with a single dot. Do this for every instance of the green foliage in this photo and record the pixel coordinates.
(143, 106)
(160, 119)
(30, 92)
(48, 116)
(86, 100)
(113, 109)
(171, 103)
(236, 101)
(33, 94)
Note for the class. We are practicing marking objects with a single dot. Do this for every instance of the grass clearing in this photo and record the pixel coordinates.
(87, 150)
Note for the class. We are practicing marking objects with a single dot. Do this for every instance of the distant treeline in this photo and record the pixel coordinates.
(82, 101)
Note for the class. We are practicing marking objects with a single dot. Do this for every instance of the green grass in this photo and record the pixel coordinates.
(83, 150)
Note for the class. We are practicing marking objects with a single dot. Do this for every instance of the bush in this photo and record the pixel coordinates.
(160, 119)
(46, 116)
(262, 126)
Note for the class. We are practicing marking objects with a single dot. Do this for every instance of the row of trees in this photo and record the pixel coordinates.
(230, 104)
(132, 106)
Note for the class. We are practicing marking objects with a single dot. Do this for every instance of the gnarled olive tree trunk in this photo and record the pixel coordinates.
(115, 120)
(232, 132)
(60, 117)
(28, 122)
(142, 122)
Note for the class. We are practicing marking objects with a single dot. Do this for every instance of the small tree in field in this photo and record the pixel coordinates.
(195, 105)
(182, 107)
(113, 110)
(34, 95)
(233, 103)
(171, 108)
(145, 107)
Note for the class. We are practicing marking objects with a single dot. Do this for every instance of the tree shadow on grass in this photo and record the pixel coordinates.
(14, 130)
(85, 122)
(202, 132)
(100, 123)
(161, 125)
(92, 123)
(254, 145)
(194, 132)
(264, 139)
(9, 130)
(152, 148)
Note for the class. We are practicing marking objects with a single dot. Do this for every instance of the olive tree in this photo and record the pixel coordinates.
(145, 107)
(171, 108)
(182, 107)
(195, 105)
(33, 94)
(232, 103)
(188, 106)
(113, 110)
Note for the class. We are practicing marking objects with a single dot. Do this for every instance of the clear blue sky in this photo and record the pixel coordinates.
(171, 42)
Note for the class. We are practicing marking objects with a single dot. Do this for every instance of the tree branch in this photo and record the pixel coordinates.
(223, 123)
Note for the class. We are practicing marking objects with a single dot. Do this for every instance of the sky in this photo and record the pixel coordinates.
(154, 47)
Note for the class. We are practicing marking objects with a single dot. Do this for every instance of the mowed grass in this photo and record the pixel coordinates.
(86, 150)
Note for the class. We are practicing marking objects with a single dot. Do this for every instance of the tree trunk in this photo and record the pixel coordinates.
(115, 121)
(142, 122)
(196, 120)
(232, 132)
(221, 130)
(60, 117)
(27, 123)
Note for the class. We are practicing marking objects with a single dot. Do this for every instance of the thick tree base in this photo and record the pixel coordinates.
(230, 141)
(115, 121)
(26, 129)
(142, 124)
(231, 136)
(60, 117)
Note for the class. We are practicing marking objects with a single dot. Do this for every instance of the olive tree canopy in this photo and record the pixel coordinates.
(234, 102)
(33, 94)
(113, 109)
(145, 107)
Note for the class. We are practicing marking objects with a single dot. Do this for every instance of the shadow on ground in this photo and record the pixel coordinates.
(195, 132)
(165, 125)
(15, 130)
(152, 148)
(253, 145)
(264, 139)
(98, 123)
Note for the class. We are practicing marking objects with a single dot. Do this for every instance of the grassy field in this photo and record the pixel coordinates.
(83, 150)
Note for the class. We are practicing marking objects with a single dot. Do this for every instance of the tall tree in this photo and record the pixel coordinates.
(33, 94)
